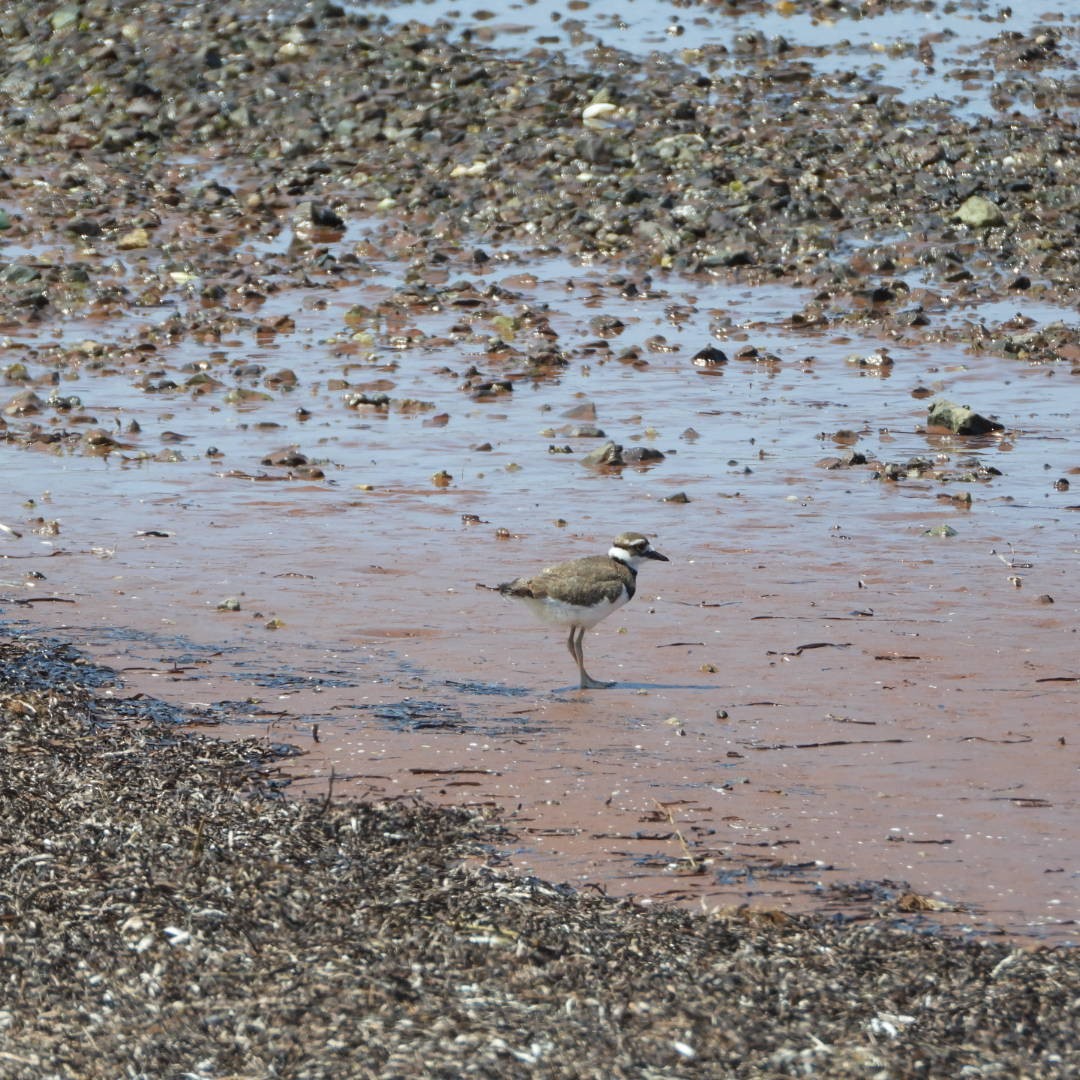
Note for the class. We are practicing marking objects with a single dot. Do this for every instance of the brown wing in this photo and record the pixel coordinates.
(576, 582)
(579, 581)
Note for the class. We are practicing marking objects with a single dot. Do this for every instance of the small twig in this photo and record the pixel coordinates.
(688, 855)
(1011, 562)
(830, 742)
(329, 793)
(36, 600)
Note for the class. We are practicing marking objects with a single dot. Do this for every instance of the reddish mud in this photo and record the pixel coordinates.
(812, 693)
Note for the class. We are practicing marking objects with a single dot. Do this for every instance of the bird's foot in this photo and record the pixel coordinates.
(589, 683)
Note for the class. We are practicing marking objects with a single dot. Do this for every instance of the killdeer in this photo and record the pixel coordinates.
(581, 592)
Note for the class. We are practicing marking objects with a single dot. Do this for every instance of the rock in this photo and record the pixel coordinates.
(317, 215)
(845, 460)
(599, 115)
(64, 16)
(960, 419)
(17, 274)
(367, 401)
(237, 396)
(490, 388)
(85, 227)
(979, 213)
(133, 240)
(287, 456)
(325, 218)
(941, 531)
(610, 453)
(709, 357)
(636, 455)
(581, 431)
(728, 256)
(230, 603)
(98, 438)
(606, 325)
(24, 403)
(880, 358)
(284, 379)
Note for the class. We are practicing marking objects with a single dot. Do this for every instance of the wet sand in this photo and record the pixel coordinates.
(167, 911)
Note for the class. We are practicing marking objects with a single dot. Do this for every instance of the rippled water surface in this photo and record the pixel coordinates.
(940, 51)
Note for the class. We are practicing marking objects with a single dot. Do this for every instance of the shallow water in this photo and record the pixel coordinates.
(812, 693)
(916, 54)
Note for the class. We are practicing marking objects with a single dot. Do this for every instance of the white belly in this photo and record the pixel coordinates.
(561, 613)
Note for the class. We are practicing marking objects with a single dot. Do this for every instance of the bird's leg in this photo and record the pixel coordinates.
(576, 647)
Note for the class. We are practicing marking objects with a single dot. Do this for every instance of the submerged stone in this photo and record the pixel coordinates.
(611, 453)
(960, 419)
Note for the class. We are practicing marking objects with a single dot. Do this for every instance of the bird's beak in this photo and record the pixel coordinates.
(650, 554)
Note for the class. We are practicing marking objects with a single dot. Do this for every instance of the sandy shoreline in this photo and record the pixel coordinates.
(167, 913)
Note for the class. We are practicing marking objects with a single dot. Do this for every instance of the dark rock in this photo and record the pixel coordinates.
(607, 325)
(842, 461)
(491, 388)
(367, 401)
(960, 419)
(638, 455)
(288, 456)
(85, 227)
(708, 357)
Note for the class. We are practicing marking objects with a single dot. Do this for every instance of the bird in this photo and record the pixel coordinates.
(582, 592)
